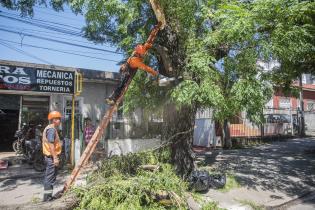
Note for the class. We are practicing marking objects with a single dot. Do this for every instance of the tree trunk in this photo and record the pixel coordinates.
(226, 138)
(178, 123)
(302, 120)
(179, 126)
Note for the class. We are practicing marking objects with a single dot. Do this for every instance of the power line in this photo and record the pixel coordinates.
(24, 53)
(56, 15)
(62, 51)
(46, 26)
(39, 20)
(59, 41)
(46, 32)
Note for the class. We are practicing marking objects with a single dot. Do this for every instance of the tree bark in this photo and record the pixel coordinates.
(180, 121)
(226, 138)
(177, 121)
(169, 52)
(302, 120)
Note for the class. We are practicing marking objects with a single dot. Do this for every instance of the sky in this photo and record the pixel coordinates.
(11, 44)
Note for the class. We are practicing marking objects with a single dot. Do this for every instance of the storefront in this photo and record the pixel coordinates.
(29, 91)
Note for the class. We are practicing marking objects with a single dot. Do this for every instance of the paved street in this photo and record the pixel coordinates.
(269, 175)
(20, 183)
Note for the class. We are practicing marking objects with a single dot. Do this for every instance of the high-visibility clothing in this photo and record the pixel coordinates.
(137, 62)
(45, 142)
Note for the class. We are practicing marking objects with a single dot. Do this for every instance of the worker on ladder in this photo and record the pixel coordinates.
(134, 63)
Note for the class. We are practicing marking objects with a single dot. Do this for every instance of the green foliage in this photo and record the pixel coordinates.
(211, 205)
(144, 93)
(237, 86)
(26, 7)
(231, 183)
(219, 42)
(128, 164)
(281, 30)
(121, 192)
(121, 184)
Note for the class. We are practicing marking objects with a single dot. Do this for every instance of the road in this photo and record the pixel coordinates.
(20, 183)
(277, 175)
(269, 175)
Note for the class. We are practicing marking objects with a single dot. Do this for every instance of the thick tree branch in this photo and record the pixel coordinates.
(163, 54)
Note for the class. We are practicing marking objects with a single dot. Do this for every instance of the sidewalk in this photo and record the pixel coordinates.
(20, 184)
(17, 167)
(269, 175)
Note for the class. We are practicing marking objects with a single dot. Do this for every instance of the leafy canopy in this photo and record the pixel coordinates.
(219, 41)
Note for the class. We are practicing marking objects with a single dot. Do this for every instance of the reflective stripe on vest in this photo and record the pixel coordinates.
(57, 143)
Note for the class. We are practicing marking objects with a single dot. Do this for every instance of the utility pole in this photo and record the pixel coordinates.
(302, 120)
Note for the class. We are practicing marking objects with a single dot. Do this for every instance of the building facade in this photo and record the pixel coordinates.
(27, 97)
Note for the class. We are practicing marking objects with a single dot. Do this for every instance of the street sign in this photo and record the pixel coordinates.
(36, 79)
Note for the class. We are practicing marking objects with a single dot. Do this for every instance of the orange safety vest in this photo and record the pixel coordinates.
(57, 142)
(137, 62)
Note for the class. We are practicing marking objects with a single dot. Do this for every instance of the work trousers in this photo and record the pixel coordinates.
(50, 178)
(125, 76)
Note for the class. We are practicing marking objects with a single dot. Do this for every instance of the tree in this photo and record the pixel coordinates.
(181, 51)
(213, 45)
(280, 30)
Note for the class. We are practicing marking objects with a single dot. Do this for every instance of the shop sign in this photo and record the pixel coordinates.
(36, 79)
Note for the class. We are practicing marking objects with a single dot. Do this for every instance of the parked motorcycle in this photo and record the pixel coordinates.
(33, 150)
(29, 144)
(18, 144)
(35, 154)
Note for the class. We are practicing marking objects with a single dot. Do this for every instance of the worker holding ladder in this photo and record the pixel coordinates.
(133, 63)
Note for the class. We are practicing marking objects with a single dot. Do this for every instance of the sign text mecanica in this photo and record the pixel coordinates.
(36, 79)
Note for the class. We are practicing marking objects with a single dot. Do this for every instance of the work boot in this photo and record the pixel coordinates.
(110, 101)
(47, 197)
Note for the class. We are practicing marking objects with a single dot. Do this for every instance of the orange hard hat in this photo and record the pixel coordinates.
(140, 49)
(54, 114)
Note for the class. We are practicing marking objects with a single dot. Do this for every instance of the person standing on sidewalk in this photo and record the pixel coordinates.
(51, 150)
(89, 130)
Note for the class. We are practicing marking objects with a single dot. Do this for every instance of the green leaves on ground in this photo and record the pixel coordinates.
(121, 184)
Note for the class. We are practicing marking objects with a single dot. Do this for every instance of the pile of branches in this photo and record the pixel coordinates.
(142, 180)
